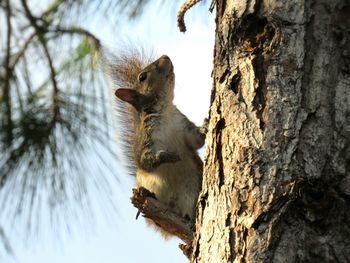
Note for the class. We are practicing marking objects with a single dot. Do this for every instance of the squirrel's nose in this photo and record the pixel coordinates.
(165, 57)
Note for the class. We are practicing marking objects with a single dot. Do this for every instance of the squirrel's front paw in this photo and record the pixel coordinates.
(167, 157)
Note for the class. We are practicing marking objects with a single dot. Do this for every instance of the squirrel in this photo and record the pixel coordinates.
(163, 141)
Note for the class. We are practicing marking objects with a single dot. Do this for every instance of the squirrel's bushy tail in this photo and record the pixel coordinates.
(124, 65)
(122, 68)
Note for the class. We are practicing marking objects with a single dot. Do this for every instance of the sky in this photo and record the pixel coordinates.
(121, 238)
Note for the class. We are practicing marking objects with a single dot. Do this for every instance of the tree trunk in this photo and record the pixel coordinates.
(276, 184)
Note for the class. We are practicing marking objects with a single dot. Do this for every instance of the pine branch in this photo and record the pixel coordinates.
(53, 77)
(22, 50)
(40, 31)
(8, 75)
(181, 14)
(79, 31)
(171, 222)
(8, 47)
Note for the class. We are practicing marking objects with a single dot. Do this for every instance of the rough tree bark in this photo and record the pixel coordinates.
(277, 173)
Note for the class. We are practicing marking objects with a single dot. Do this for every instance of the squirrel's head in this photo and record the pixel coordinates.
(154, 86)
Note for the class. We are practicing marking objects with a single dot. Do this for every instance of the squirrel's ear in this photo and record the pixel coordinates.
(127, 95)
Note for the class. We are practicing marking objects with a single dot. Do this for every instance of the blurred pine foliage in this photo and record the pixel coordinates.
(54, 116)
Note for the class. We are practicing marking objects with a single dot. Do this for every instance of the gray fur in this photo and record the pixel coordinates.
(163, 141)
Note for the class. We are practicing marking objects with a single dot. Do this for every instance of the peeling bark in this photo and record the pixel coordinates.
(277, 172)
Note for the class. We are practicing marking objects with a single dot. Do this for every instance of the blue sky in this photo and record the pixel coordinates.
(121, 238)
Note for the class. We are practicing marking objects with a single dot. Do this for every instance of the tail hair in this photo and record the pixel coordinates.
(125, 65)
(122, 68)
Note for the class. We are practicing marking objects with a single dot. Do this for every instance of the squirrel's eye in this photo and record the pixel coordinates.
(142, 76)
